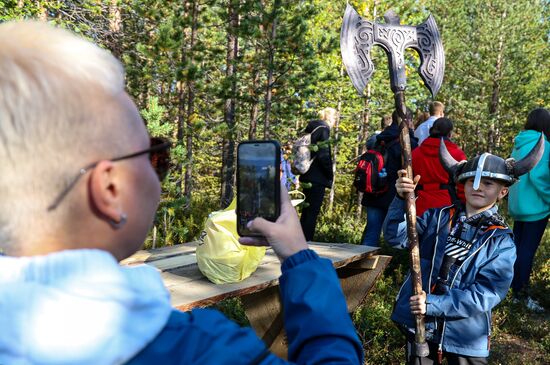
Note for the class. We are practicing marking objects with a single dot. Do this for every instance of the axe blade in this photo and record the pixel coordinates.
(432, 56)
(358, 36)
(356, 40)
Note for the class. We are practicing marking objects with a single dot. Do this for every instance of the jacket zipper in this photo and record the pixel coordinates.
(435, 246)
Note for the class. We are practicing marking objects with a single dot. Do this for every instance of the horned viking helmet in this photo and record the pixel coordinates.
(490, 166)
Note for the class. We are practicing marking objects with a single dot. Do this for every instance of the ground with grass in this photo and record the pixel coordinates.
(519, 336)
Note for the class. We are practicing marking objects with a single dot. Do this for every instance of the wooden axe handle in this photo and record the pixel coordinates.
(421, 347)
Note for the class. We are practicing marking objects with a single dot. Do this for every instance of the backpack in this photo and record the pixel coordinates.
(301, 161)
(370, 173)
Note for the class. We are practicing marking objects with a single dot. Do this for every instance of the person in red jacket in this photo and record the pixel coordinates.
(435, 187)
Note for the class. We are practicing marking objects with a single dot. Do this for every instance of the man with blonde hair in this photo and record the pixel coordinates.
(437, 110)
(320, 174)
(79, 187)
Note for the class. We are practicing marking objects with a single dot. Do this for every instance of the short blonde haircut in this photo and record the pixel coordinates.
(57, 94)
(329, 115)
(436, 107)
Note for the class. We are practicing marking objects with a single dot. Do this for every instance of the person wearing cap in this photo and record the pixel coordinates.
(437, 188)
(530, 209)
(467, 255)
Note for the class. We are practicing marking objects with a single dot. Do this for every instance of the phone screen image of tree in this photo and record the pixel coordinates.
(257, 185)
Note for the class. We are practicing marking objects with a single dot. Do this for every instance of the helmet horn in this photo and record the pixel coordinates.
(524, 165)
(449, 163)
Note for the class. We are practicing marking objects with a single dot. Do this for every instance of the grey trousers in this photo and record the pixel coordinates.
(432, 359)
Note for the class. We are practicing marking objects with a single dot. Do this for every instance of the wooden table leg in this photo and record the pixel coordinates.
(357, 279)
(263, 309)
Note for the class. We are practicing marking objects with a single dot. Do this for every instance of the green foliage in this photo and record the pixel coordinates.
(154, 117)
(497, 57)
(234, 310)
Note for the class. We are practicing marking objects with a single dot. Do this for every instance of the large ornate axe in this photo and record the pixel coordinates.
(357, 38)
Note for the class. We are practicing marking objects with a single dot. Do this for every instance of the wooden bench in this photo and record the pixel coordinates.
(357, 266)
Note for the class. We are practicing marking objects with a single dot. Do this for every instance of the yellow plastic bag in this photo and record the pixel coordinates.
(220, 256)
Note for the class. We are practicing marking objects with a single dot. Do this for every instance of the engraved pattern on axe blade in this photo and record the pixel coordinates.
(363, 44)
(432, 56)
(358, 36)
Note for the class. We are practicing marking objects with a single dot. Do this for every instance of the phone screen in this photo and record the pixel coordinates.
(258, 183)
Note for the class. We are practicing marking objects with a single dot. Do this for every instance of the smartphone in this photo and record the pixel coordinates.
(258, 183)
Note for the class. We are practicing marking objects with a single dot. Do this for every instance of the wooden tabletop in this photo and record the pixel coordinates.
(189, 288)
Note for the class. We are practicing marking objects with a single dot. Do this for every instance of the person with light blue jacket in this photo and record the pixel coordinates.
(529, 204)
(467, 255)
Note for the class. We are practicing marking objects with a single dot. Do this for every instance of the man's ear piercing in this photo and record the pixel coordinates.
(121, 222)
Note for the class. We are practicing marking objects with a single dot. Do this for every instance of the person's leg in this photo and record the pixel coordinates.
(373, 229)
(454, 359)
(314, 199)
(527, 236)
(516, 281)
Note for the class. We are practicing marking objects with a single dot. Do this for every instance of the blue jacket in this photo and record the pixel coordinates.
(317, 324)
(459, 320)
(533, 203)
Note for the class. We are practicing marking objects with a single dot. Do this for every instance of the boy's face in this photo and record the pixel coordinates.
(489, 192)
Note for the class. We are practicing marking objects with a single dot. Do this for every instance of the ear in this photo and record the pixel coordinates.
(105, 191)
(503, 192)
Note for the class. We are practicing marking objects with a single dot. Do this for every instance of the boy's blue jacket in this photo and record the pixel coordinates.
(462, 315)
(317, 324)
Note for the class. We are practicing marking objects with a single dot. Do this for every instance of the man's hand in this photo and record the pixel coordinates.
(418, 303)
(404, 185)
(285, 235)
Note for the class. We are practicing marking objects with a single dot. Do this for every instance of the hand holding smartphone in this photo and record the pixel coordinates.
(258, 183)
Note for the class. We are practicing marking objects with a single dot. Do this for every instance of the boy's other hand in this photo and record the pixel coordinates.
(418, 303)
(285, 235)
(404, 185)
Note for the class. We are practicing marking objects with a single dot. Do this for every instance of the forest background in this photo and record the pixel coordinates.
(211, 73)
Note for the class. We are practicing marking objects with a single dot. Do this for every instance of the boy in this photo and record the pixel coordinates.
(467, 256)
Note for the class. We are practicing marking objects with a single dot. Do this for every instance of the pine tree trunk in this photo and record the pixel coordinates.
(335, 145)
(115, 28)
(182, 97)
(494, 133)
(254, 110)
(228, 161)
(361, 147)
(270, 70)
(190, 111)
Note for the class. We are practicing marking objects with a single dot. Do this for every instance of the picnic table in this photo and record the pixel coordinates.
(357, 266)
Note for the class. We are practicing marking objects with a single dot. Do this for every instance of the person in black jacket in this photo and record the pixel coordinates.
(320, 175)
(377, 205)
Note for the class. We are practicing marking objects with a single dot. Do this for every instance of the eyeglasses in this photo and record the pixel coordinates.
(159, 155)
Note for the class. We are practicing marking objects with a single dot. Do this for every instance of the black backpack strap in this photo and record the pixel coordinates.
(382, 147)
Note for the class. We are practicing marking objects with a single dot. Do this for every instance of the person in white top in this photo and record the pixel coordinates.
(437, 110)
